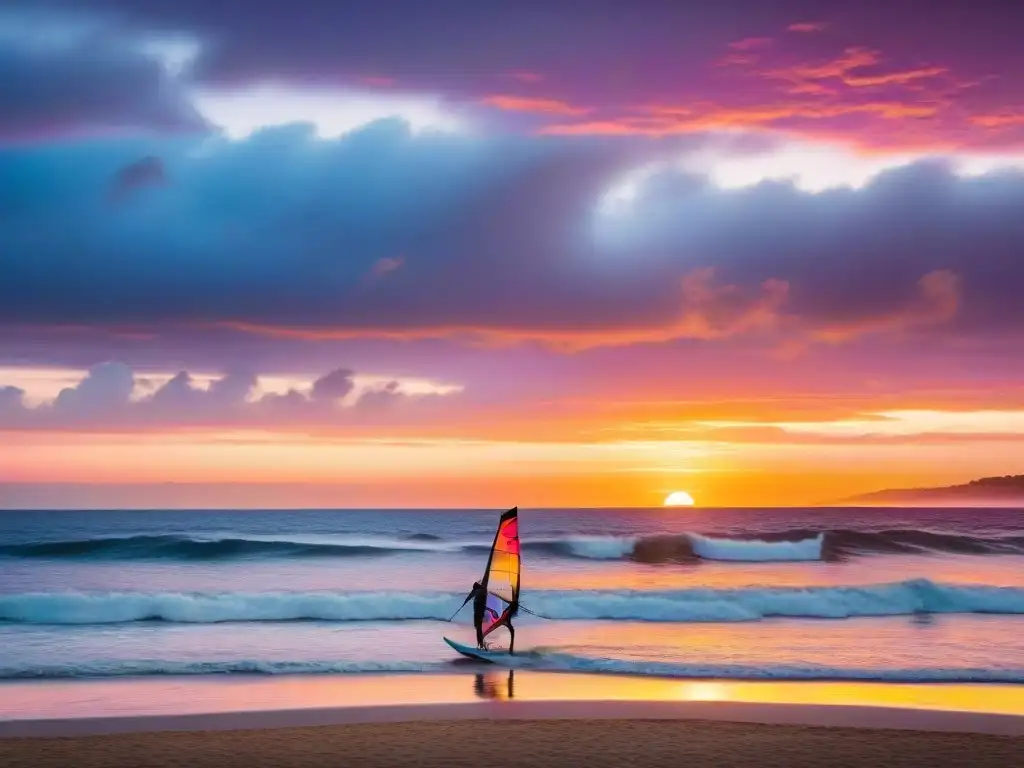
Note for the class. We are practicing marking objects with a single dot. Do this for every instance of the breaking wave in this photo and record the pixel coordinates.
(183, 547)
(919, 596)
(156, 667)
(790, 545)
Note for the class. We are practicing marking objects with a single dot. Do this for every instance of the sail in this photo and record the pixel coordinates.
(501, 579)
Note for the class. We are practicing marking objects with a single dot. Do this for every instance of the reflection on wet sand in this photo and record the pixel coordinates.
(496, 686)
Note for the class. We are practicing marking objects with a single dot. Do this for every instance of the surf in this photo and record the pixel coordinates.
(917, 596)
(793, 545)
(530, 659)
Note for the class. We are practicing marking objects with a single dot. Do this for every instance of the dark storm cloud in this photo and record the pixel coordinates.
(501, 240)
(60, 73)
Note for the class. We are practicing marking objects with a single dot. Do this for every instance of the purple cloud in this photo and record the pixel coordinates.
(106, 397)
(503, 241)
(333, 386)
(70, 71)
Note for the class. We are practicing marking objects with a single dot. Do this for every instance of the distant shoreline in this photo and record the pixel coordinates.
(999, 492)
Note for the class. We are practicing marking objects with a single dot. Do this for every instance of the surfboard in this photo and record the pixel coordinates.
(475, 653)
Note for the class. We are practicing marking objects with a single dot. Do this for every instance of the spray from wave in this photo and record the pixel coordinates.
(919, 596)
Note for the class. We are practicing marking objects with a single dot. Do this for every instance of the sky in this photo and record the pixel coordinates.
(469, 254)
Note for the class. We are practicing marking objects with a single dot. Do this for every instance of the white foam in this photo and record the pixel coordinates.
(687, 605)
(151, 667)
(601, 547)
(753, 551)
(343, 540)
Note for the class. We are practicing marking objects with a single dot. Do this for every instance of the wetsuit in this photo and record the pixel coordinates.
(479, 595)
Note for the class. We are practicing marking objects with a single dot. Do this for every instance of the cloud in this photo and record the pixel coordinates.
(333, 386)
(103, 400)
(706, 310)
(61, 72)
(387, 265)
(11, 399)
(845, 68)
(145, 172)
(504, 240)
(106, 388)
(937, 302)
(533, 104)
(750, 43)
(1002, 120)
(709, 117)
(891, 425)
(808, 26)
(189, 67)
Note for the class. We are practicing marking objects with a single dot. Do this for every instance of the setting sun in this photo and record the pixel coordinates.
(679, 499)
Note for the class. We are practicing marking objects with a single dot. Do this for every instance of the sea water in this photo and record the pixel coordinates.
(865, 594)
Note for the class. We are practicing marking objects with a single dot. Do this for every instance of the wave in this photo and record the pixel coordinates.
(537, 660)
(919, 596)
(798, 544)
(789, 545)
(182, 547)
(156, 667)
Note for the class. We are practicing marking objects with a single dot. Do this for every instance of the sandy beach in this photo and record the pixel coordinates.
(541, 720)
(592, 743)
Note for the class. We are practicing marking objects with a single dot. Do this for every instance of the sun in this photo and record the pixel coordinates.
(679, 499)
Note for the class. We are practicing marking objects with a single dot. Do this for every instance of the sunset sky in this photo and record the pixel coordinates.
(479, 254)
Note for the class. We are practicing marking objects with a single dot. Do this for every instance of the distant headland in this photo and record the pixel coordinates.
(1007, 491)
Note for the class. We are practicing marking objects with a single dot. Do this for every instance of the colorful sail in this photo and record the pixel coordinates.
(501, 579)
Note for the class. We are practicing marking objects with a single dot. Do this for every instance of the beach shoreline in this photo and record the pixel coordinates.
(776, 714)
(136, 705)
(532, 718)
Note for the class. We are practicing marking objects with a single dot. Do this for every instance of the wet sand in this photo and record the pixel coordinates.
(492, 720)
(517, 743)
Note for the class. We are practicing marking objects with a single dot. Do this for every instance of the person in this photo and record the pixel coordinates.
(479, 597)
(480, 608)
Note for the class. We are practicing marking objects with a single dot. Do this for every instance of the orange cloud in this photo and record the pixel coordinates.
(938, 300)
(709, 311)
(708, 117)
(891, 78)
(842, 68)
(852, 58)
(808, 26)
(540, 105)
(810, 88)
(622, 127)
(1002, 120)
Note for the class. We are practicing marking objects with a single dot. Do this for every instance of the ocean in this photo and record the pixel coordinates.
(858, 594)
